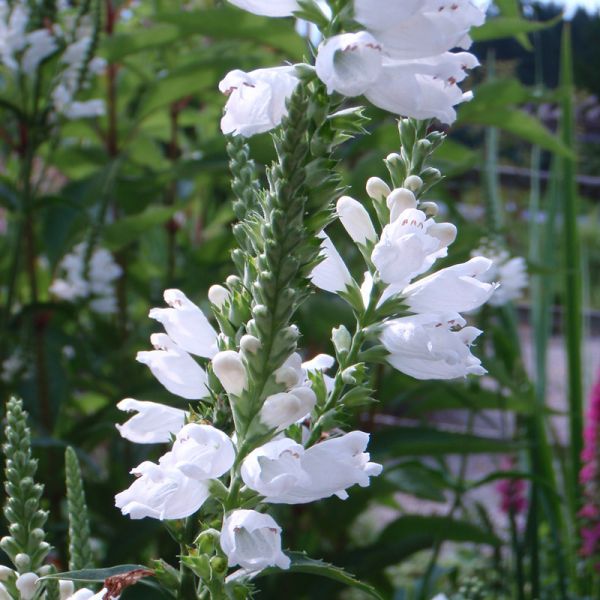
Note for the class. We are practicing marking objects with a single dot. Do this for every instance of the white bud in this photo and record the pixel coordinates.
(5, 573)
(229, 368)
(413, 183)
(393, 157)
(250, 344)
(66, 589)
(233, 281)
(431, 209)
(27, 585)
(22, 561)
(378, 189)
(356, 220)
(290, 374)
(44, 570)
(282, 410)
(399, 200)
(218, 295)
(4, 595)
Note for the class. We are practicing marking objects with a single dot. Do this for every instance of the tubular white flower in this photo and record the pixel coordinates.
(454, 289)
(175, 368)
(409, 246)
(252, 540)
(321, 362)
(162, 492)
(380, 14)
(153, 424)
(285, 473)
(424, 88)
(275, 468)
(432, 346)
(257, 100)
(435, 27)
(279, 411)
(349, 63)
(66, 589)
(331, 274)
(231, 372)
(40, 45)
(509, 273)
(218, 295)
(202, 452)
(27, 585)
(268, 8)
(399, 200)
(4, 595)
(186, 324)
(356, 220)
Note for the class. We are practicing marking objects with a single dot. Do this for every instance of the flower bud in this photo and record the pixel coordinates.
(233, 281)
(4, 595)
(414, 183)
(342, 340)
(250, 344)
(378, 189)
(66, 589)
(286, 408)
(400, 200)
(5, 573)
(356, 220)
(22, 561)
(290, 373)
(44, 570)
(218, 295)
(431, 209)
(229, 368)
(218, 564)
(27, 585)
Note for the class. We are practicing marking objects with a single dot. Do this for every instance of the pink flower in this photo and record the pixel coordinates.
(512, 491)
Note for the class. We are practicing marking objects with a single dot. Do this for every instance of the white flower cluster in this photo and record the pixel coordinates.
(281, 470)
(22, 52)
(95, 285)
(432, 342)
(28, 586)
(509, 272)
(401, 62)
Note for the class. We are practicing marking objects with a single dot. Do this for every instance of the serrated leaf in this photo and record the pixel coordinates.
(301, 563)
(95, 575)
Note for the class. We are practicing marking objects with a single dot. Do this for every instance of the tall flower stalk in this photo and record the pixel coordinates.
(264, 423)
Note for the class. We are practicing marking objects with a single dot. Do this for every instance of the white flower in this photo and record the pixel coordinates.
(275, 468)
(175, 368)
(252, 540)
(287, 474)
(268, 8)
(423, 88)
(349, 63)
(257, 100)
(435, 27)
(40, 45)
(432, 346)
(162, 492)
(321, 362)
(331, 274)
(203, 452)
(279, 411)
(410, 245)
(229, 368)
(380, 14)
(85, 594)
(509, 273)
(454, 289)
(153, 424)
(356, 220)
(186, 325)
(4, 595)
(290, 374)
(27, 585)
(12, 32)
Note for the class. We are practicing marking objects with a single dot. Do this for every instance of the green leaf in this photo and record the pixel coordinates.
(417, 479)
(301, 563)
(418, 441)
(233, 24)
(129, 229)
(503, 27)
(119, 46)
(95, 575)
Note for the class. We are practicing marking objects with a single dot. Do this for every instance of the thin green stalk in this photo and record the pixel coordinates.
(573, 301)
